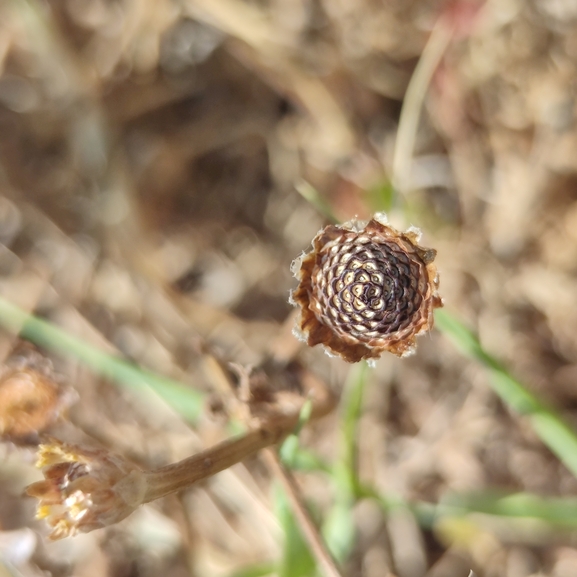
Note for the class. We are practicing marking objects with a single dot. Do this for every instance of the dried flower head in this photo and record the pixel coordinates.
(30, 397)
(365, 288)
(84, 489)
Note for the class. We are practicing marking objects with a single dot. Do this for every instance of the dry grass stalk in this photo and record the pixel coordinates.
(86, 489)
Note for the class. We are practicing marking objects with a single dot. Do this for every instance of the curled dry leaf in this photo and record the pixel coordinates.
(365, 288)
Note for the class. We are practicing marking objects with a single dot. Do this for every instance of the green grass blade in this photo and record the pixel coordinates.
(352, 404)
(382, 197)
(188, 402)
(256, 571)
(339, 526)
(339, 530)
(557, 512)
(297, 560)
(312, 195)
(548, 425)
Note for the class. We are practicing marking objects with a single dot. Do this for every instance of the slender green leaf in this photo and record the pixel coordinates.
(188, 402)
(256, 571)
(339, 526)
(382, 196)
(313, 196)
(548, 425)
(297, 560)
(557, 512)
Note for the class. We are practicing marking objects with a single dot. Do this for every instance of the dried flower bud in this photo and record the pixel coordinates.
(84, 489)
(87, 489)
(30, 398)
(365, 289)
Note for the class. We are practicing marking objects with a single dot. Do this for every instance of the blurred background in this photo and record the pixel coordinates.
(163, 162)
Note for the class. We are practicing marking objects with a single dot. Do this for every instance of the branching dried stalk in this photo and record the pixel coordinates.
(325, 560)
(86, 489)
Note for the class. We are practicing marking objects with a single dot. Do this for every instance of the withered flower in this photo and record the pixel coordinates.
(30, 397)
(84, 489)
(365, 288)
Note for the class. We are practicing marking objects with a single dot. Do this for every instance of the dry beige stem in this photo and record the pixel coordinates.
(365, 288)
(86, 489)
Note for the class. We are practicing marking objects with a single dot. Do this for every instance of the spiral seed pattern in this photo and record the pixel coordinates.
(365, 291)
